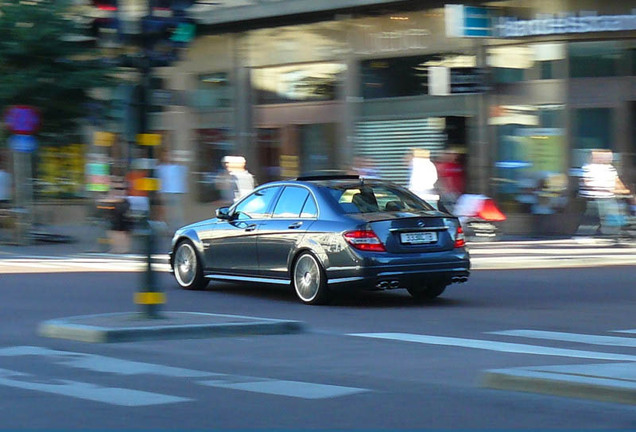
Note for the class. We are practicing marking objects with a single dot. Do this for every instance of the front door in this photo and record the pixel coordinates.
(232, 247)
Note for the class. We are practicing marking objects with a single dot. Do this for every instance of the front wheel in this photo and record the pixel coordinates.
(428, 292)
(309, 280)
(188, 268)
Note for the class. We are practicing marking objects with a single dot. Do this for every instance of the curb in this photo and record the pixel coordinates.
(601, 382)
(129, 327)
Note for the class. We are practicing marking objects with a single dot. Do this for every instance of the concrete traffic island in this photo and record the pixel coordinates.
(608, 382)
(130, 326)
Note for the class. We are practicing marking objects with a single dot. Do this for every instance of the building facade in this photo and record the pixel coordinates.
(520, 90)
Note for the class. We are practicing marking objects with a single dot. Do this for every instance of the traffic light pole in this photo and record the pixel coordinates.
(149, 297)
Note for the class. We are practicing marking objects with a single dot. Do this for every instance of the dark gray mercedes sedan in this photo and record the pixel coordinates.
(321, 234)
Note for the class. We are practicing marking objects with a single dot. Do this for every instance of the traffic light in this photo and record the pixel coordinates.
(184, 29)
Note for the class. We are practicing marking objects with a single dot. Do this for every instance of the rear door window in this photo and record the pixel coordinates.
(291, 202)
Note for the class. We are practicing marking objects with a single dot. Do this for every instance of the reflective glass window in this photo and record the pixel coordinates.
(256, 205)
(594, 59)
(593, 128)
(297, 83)
(372, 198)
(310, 210)
(212, 91)
(409, 76)
(290, 202)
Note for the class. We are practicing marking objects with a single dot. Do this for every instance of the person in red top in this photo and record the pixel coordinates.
(451, 177)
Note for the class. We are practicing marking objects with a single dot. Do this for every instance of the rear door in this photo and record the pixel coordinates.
(279, 236)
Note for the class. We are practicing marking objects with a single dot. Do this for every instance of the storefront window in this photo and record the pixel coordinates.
(594, 59)
(60, 172)
(532, 151)
(540, 61)
(317, 147)
(213, 91)
(409, 76)
(297, 83)
(592, 129)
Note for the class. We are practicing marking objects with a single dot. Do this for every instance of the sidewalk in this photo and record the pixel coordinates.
(80, 239)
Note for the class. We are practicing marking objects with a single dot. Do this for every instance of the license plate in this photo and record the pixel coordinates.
(420, 237)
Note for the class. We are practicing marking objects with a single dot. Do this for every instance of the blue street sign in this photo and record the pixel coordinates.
(22, 119)
(23, 143)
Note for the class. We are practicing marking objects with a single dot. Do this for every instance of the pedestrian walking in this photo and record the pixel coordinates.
(451, 178)
(173, 177)
(118, 207)
(423, 176)
(598, 186)
(239, 181)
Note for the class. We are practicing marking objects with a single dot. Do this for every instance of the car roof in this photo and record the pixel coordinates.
(327, 175)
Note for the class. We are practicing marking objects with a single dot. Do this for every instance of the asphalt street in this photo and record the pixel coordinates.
(370, 360)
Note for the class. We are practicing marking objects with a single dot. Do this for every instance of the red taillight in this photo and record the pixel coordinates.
(365, 240)
(460, 240)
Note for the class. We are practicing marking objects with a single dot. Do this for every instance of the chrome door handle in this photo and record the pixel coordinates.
(295, 225)
(250, 227)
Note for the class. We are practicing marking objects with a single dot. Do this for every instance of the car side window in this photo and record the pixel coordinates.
(255, 206)
(290, 202)
(310, 210)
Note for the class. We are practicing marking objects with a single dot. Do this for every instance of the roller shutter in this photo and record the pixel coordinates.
(387, 143)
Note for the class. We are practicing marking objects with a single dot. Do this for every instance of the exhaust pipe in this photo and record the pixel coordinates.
(394, 284)
(459, 279)
(382, 285)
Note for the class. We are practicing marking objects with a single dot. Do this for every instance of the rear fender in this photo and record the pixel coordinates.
(308, 243)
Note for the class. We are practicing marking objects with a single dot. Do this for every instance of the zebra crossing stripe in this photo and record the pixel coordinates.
(130, 397)
(296, 389)
(571, 337)
(87, 391)
(496, 346)
(632, 331)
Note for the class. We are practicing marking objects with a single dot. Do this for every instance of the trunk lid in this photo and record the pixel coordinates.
(410, 232)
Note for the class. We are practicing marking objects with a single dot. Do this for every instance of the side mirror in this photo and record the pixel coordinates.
(223, 213)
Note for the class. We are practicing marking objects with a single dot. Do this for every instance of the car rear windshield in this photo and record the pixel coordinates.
(373, 198)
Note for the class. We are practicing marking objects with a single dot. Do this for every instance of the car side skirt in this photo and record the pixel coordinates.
(250, 279)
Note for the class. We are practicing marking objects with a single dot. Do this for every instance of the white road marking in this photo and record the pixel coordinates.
(52, 265)
(571, 337)
(631, 331)
(495, 346)
(87, 391)
(127, 397)
(298, 389)
(97, 363)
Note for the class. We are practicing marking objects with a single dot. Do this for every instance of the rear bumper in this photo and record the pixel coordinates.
(379, 273)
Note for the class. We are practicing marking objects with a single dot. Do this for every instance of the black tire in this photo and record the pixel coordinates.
(428, 292)
(187, 266)
(310, 280)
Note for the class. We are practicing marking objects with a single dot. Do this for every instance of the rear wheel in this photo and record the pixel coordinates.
(427, 292)
(309, 280)
(188, 268)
